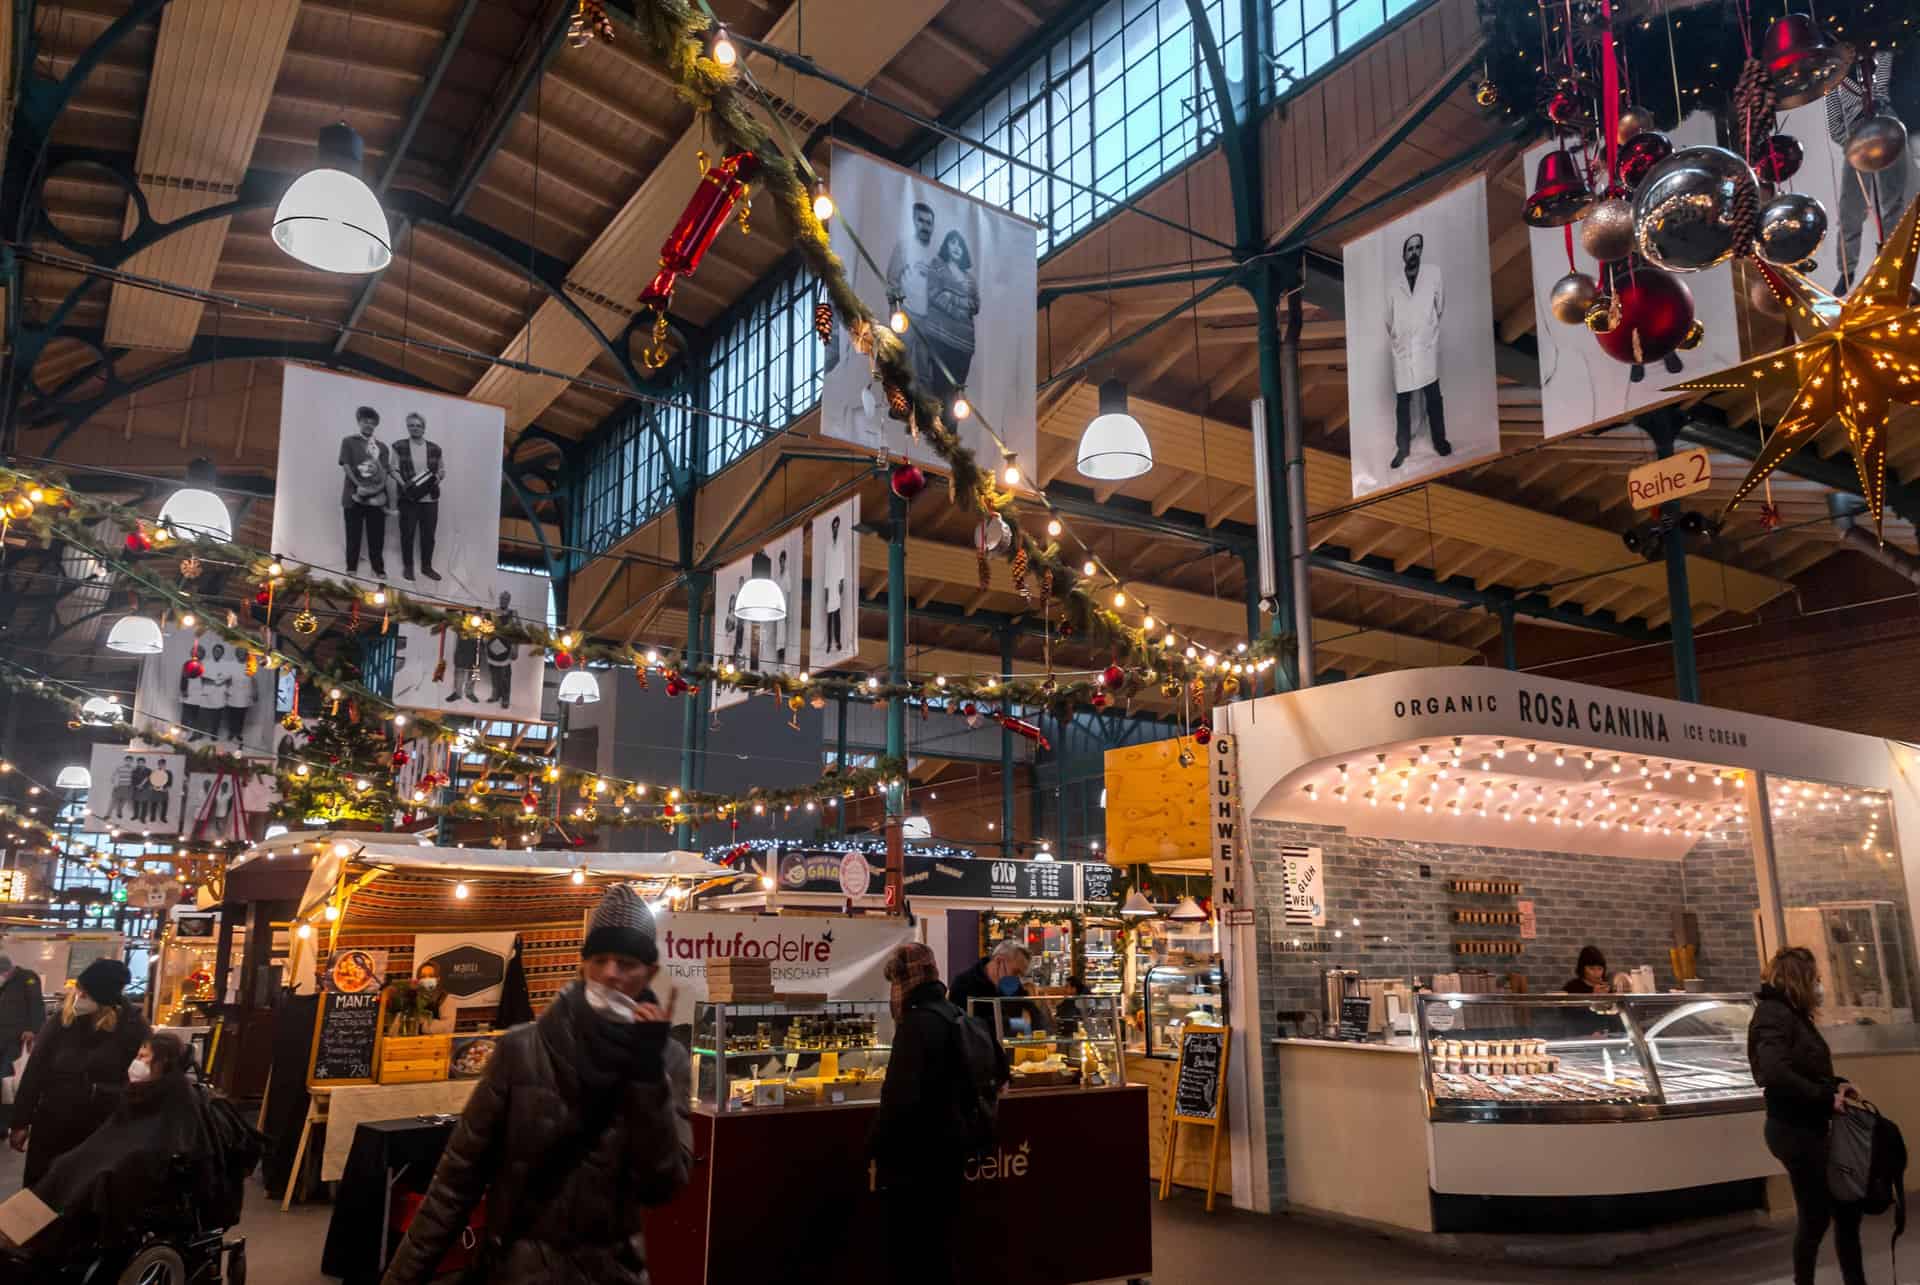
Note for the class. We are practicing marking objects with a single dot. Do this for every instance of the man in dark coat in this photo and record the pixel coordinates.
(78, 1067)
(999, 975)
(579, 1122)
(23, 1010)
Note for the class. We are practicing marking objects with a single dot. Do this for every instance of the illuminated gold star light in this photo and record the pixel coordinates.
(1852, 359)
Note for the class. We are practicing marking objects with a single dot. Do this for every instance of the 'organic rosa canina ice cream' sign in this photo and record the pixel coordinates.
(841, 957)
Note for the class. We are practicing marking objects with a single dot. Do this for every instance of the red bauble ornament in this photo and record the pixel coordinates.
(968, 709)
(1651, 311)
(563, 660)
(908, 481)
(1202, 734)
(1099, 700)
(263, 597)
(1780, 158)
(401, 758)
(139, 542)
(193, 668)
(676, 686)
(530, 801)
(1113, 676)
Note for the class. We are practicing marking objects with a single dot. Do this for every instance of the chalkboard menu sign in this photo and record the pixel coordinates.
(1096, 882)
(346, 1031)
(1203, 1058)
(1356, 1016)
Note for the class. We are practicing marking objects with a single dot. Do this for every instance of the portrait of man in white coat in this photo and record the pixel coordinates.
(1420, 343)
(1416, 301)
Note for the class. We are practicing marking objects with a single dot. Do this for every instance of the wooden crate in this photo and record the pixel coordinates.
(414, 1059)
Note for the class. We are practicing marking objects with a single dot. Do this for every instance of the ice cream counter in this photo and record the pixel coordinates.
(1511, 1112)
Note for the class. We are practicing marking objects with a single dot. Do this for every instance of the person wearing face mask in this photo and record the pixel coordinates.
(79, 1064)
(446, 1008)
(579, 1122)
(1794, 1068)
(999, 975)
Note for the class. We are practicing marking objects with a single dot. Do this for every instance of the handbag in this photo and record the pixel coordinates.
(10, 1086)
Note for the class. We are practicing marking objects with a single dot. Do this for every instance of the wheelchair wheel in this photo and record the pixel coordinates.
(236, 1263)
(154, 1265)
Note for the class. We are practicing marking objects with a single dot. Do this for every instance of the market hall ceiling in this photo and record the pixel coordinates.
(583, 156)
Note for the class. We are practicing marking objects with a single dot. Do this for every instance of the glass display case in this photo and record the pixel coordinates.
(1172, 996)
(774, 1056)
(1058, 1043)
(1049, 944)
(1104, 949)
(1552, 1058)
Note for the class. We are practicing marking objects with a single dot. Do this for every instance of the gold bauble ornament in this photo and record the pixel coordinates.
(305, 623)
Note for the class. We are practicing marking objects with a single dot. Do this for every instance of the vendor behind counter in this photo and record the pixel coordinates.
(1000, 976)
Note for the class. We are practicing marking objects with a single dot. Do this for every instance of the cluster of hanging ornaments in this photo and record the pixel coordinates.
(1652, 213)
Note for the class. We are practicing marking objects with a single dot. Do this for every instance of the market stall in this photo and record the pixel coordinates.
(498, 932)
(1416, 860)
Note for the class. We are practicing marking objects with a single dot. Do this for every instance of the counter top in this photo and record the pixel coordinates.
(1350, 1046)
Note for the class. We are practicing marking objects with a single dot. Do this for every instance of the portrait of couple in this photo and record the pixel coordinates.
(932, 279)
(399, 479)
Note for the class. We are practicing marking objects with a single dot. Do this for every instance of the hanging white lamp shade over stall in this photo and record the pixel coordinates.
(1114, 447)
(330, 219)
(579, 688)
(191, 512)
(73, 777)
(135, 636)
(1187, 912)
(1137, 906)
(760, 600)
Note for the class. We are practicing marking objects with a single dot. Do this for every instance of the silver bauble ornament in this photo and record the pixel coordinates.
(1875, 143)
(1634, 119)
(991, 533)
(1686, 207)
(1572, 295)
(1607, 231)
(1790, 229)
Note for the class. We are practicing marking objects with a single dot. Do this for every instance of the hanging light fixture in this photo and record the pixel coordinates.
(1114, 447)
(192, 512)
(760, 600)
(916, 827)
(330, 219)
(1137, 906)
(73, 777)
(579, 688)
(135, 636)
(1187, 912)
(101, 710)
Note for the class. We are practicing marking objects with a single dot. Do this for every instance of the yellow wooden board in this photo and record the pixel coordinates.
(1156, 807)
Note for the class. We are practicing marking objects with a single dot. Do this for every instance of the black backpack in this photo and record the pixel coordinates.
(1867, 1164)
(981, 1073)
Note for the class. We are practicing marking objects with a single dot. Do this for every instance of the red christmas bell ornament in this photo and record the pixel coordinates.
(1649, 314)
(1202, 734)
(1113, 676)
(1779, 159)
(907, 481)
(563, 660)
(1802, 61)
(1098, 700)
(1641, 153)
(139, 542)
(193, 668)
(1560, 192)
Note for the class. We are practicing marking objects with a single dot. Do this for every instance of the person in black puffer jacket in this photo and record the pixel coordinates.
(579, 1122)
(78, 1067)
(1793, 1066)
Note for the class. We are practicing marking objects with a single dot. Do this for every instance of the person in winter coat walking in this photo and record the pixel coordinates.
(78, 1067)
(1793, 1066)
(579, 1122)
(22, 1012)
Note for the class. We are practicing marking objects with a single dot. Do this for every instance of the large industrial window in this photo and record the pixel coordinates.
(627, 475)
(764, 372)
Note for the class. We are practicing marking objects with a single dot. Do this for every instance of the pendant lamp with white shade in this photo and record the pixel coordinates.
(191, 512)
(1187, 912)
(135, 636)
(579, 688)
(101, 710)
(1137, 906)
(73, 777)
(760, 600)
(330, 219)
(1114, 447)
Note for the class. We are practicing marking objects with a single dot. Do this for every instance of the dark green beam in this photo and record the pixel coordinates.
(1707, 427)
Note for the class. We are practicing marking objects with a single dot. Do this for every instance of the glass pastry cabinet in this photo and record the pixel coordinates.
(1173, 997)
(1058, 1043)
(774, 1055)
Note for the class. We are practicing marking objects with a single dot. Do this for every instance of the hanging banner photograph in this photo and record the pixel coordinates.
(1845, 195)
(417, 499)
(459, 671)
(963, 275)
(199, 683)
(1588, 379)
(733, 638)
(836, 586)
(230, 804)
(137, 791)
(1420, 382)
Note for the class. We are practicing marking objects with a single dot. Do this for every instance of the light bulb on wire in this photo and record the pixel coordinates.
(722, 48)
(823, 205)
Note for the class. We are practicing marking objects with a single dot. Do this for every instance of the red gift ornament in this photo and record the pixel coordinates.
(1021, 727)
(139, 542)
(706, 213)
(401, 758)
(907, 481)
(563, 660)
(1113, 676)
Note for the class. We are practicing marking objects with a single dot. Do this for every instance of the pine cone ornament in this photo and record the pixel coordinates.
(1754, 118)
(823, 321)
(1020, 574)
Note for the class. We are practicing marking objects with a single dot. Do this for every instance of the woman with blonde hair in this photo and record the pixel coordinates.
(1793, 1066)
(78, 1068)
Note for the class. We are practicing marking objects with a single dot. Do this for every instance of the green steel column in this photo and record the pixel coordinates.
(1664, 429)
(1264, 286)
(693, 727)
(897, 644)
(1006, 753)
(840, 763)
